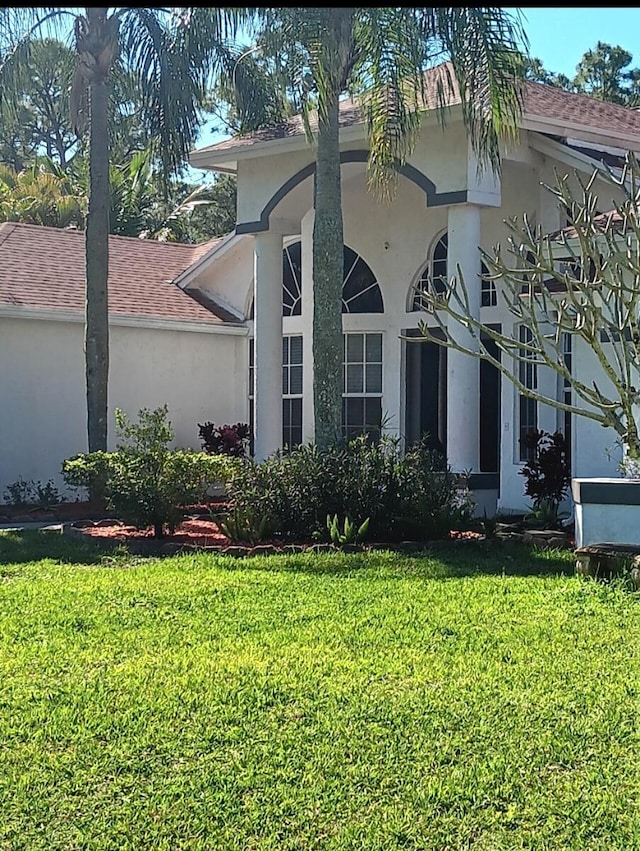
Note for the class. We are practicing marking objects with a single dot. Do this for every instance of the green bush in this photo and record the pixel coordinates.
(405, 495)
(144, 481)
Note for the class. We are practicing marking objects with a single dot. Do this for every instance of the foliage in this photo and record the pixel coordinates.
(145, 482)
(545, 515)
(602, 73)
(232, 440)
(403, 495)
(547, 472)
(23, 493)
(240, 525)
(378, 55)
(41, 194)
(172, 55)
(583, 283)
(349, 535)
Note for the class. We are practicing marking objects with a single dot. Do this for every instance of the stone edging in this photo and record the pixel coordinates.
(153, 546)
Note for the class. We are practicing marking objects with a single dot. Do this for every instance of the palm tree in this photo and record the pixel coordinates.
(173, 53)
(380, 55)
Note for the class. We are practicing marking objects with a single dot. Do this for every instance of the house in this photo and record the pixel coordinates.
(166, 345)
(237, 360)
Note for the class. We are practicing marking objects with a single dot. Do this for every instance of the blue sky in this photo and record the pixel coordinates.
(560, 36)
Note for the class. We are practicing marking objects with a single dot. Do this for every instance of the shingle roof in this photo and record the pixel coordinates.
(42, 267)
(610, 221)
(540, 101)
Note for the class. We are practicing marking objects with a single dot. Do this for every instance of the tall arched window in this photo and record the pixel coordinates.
(360, 290)
(432, 277)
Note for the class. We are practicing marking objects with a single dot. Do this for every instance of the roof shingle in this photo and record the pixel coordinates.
(540, 101)
(42, 267)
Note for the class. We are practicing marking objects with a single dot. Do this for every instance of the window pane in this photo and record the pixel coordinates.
(295, 350)
(355, 383)
(291, 422)
(355, 348)
(285, 381)
(374, 378)
(374, 348)
(295, 380)
(373, 413)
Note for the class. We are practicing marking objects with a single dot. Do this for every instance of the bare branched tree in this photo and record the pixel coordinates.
(583, 281)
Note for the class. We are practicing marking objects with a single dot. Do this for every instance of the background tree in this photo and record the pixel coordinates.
(172, 54)
(379, 55)
(602, 73)
(42, 194)
(584, 283)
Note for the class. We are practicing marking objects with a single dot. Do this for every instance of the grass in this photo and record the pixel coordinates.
(477, 697)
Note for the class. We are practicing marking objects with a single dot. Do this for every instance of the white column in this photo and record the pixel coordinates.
(267, 325)
(308, 415)
(463, 371)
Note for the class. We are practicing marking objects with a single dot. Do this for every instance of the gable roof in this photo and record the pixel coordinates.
(44, 268)
(546, 109)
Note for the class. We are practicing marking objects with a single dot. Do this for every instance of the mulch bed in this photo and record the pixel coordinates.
(197, 532)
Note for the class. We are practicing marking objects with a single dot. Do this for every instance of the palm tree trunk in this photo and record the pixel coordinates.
(328, 275)
(97, 270)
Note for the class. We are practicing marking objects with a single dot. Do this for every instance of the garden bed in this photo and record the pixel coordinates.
(202, 533)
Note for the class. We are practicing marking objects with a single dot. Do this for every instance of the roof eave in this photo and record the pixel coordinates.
(583, 132)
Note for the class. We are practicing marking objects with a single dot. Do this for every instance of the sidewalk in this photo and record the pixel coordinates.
(45, 525)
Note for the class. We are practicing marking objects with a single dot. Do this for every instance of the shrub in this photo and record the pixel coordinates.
(22, 493)
(548, 473)
(145, 482)
(232, 440)
(411, 495)
(19, 493)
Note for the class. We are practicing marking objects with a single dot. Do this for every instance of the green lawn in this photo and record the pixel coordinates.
(477, 697)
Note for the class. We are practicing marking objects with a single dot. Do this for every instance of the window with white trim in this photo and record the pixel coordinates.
(432, 277)
(528, 408)
(292, 387)
(362, 396)
(292, 391)
(360, 290)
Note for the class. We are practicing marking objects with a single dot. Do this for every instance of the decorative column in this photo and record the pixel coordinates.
(267, 357)
(463, 371)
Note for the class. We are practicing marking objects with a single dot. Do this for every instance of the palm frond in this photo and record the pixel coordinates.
(485, 45)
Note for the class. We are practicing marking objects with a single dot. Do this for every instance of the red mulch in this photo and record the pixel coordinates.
(200, 533)
(197, 532)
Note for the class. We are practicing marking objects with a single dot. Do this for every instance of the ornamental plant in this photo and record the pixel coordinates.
(548, 475)
(231, 440)
(145, 482)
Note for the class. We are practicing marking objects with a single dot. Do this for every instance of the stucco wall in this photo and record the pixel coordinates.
(395, 240)
(200, 376)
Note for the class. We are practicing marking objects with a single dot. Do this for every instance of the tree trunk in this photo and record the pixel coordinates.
(328, 275)
(97, 270)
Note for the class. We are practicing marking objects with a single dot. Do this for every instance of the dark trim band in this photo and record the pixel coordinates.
(433, 198)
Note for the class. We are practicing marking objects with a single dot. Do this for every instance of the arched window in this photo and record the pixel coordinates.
(292, 280)
(433, 277)
(360, 290)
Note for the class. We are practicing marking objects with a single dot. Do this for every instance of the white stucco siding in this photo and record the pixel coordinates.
(230, 277)
(200, 376)
(259, 179)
